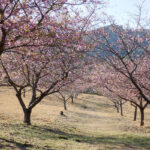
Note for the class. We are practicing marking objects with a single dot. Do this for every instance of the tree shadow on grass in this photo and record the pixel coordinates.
(124, 141)
(46, 132)
(11, 144)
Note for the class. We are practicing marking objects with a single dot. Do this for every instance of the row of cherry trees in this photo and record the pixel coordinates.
(124, 67)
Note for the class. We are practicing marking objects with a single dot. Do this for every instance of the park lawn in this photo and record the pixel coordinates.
(91, 123)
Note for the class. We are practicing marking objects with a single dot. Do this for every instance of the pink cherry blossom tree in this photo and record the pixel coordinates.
(44, 69)
(41, 74)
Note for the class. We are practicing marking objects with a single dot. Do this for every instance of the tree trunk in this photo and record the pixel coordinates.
(135, 113)
(117, 107)
(65, 106)
(24, 92)
(121, 109)
(27, 116)
(72, 100)
(142, 116)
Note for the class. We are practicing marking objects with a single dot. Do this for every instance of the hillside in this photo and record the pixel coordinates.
(114, 33)
(90, 123)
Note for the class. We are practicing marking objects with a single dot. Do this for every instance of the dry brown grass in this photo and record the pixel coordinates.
(91, 123)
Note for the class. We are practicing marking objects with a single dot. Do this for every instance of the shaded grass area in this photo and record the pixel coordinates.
(20, 136)
(11, 144)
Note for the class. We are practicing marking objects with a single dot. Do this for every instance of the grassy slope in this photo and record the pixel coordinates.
(89, 124)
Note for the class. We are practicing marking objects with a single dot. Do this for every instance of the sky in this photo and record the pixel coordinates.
(122, 10)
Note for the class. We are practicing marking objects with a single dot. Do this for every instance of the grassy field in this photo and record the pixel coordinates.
(91, 123)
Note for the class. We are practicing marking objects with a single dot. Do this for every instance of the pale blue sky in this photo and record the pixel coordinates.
(122, 10)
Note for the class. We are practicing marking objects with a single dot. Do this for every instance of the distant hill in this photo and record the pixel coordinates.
(101, 48)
